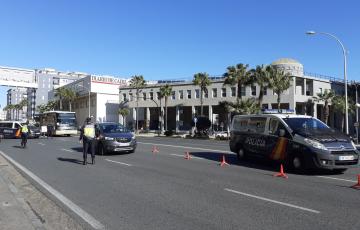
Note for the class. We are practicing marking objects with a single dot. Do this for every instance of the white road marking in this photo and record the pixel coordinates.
(334, 178)
(68, 150)
(273, 201)
(41, 143)
(72, 206)
(118, 162)
(178, 155)
(184, 147)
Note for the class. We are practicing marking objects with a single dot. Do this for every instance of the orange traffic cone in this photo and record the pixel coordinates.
(223, 162)
(281, 173)
(187, 156)
(155, 149)
(357, 186)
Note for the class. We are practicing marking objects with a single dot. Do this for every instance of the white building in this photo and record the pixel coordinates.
(103, 97)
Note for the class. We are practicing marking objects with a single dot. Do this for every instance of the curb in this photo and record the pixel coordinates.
(74, 211)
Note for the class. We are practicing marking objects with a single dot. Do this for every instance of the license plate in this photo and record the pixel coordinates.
(118, 149)
(346, 158)
(124, 144)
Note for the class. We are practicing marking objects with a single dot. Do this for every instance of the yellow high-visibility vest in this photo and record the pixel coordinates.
(24, 129)
(89, 131)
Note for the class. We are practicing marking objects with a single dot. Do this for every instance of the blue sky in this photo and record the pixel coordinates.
(175, 39)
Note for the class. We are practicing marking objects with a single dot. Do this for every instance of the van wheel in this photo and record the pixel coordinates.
(241, 155)
(297, 163)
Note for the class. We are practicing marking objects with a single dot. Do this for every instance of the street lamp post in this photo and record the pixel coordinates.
(89, 96)
(345, 77)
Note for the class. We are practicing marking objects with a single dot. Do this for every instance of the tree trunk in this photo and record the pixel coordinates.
(342, 122)
(60, 102)
(70, 105)
(201, 102)
(261, 96)
(239, 90)
(166, 116)
(278, 101)
(326, 112)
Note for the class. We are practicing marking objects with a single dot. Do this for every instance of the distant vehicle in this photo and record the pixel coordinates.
(61, 122)
(115, 138)
(10, 129)
(300, 141)
(34, 131)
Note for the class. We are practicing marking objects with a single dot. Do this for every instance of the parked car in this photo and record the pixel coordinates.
(114, 137)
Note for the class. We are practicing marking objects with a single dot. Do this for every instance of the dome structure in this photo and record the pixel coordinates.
(289, 65)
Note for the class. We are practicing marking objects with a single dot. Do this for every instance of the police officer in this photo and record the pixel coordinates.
(24, 134)
(88, 136)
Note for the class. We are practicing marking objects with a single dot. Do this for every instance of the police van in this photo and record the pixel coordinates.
(302, 142)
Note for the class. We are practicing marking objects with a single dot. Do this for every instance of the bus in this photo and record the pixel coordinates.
(61, 122)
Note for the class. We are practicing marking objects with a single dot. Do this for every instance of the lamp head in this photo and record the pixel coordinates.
(310, 32)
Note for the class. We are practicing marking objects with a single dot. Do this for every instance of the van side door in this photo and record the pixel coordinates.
(255, 141)
(277, 145)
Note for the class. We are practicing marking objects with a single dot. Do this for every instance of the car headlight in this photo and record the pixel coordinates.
(353, 145)
(133, 137)
(108, 138)
(315, 144)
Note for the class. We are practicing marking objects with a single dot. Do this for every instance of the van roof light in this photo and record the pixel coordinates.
(278, 111)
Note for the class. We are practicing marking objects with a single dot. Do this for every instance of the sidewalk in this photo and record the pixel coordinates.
(24, 207)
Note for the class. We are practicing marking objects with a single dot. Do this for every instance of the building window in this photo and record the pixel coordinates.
(214, 92)
(173, 95)
(223, 92)
(197, 93)
(320, 90)
(243, 91)
(181, 94)
(124, 96)
(206, 93)
(158, 95)
(151, 96)
(144, 96)
(233, 91)
(253, 90)
(131, 96)
(265, 91)
(189, 94)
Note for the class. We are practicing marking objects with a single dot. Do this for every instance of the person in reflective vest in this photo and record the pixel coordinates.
(24, 130)
(88, 136)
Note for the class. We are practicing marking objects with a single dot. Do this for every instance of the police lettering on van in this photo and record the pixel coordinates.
(302, 142)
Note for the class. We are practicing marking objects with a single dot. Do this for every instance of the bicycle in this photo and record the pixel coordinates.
(23, 142)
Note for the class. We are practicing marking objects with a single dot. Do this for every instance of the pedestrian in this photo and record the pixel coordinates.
(88, 136)
(49, 131)
(24, 134)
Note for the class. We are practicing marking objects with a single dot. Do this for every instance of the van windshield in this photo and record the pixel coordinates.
(304, 124)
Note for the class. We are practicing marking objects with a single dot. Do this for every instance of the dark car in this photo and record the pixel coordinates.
(114, 137)
(34, 131)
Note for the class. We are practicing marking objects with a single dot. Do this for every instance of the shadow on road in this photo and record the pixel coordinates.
(71, 160)
(17, 147)
(77, 149)
(231, 159)
(259, 163)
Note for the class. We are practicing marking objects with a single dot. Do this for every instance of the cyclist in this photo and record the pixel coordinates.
(24, 134)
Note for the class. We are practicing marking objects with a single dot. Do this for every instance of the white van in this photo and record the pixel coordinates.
(302, 142)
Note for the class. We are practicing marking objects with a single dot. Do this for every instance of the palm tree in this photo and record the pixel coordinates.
(61, 94)
(165, 92)
(238, 75)
(247, 106)
(22, 104)
(138, 83)
(203, 81)
(124, 112)
(50, 105)
(41, 108)
(327, 96)
(70, 96)
(279, 81)
(338, 103)
(261, 77)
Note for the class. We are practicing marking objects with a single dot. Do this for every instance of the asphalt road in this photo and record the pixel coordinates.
(144, 190)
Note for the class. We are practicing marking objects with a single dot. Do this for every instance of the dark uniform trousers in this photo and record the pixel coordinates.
(89, 146)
